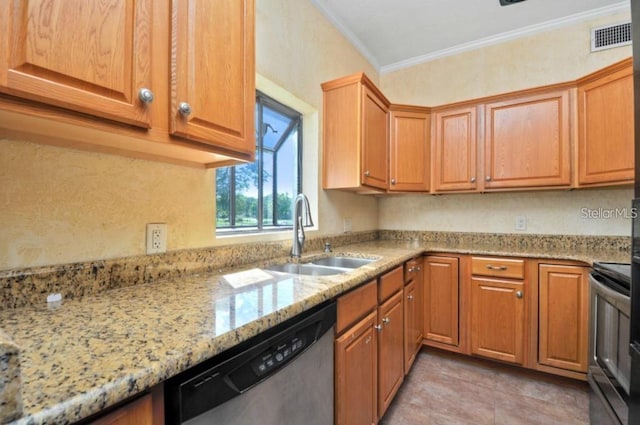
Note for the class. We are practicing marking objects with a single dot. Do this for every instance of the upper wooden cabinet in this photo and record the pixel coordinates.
(169, 80)
(605, 126)
(527, 141)
(46, 58)
(355, 135)
(213, 73)
(409, 149)
(455, 149)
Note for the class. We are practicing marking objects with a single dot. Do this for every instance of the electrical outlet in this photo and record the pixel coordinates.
(521, 222)
(347, 224)
(156, 238)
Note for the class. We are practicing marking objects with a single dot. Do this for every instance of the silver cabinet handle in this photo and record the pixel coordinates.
(488, 178)
(410, 297)
(490, 267)
(367, 173)
(184, 108)
(473, 179)
(386, 320)
(411, 269)
(518, 294)
(393, 181)
(378, 328)
(418, 268)
(145, 95)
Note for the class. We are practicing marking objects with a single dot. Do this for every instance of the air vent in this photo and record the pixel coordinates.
(508, 2)
(610, 36)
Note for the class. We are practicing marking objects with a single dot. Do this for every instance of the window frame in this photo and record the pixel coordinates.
(296, 117)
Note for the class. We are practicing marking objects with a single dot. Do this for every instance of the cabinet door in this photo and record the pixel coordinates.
(409, 151)
(497, 319)
(87, 56)
(138, 412)
(375, 136)
(440, 299)
(527, 141)
(390, 351)
(605, 129)
(213, 72)
(412, 333)
(564, 317)
(455, 144)
(356, 374)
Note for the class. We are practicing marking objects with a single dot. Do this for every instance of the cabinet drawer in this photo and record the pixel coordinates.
(411, 269)
(499, 267)
(356, 304)
(390, 283)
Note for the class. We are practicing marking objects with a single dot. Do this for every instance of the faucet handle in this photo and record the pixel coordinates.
(327, 247)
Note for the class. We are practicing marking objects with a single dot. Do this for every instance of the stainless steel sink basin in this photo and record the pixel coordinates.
(343, 262)
(306, 269)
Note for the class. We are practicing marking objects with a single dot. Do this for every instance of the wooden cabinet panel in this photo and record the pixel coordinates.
(497, 319)
(455, 144)
(213, 71)
(356, 304)
(145, 410)
(409, 149)
(527, 141)
(605, 127)
(390, 351)
(375, 144)
(356, 372)
(390, 283)
(563, 317)
(497, 267)
(355, 135)
(44, 59)
(441, 300)
(412, 325)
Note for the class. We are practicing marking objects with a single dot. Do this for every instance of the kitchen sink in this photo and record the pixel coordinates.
(342, 262)
(322, 266)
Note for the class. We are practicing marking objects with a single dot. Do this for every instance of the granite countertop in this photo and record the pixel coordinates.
(84, 355)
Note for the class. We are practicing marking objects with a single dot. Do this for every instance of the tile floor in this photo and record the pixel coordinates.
(449, 389)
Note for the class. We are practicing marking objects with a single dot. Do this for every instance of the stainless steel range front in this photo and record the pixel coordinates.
(609, 359)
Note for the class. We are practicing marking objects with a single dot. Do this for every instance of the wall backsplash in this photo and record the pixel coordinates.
(577, 212)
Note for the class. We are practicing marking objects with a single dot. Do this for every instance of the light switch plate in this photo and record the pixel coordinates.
(521, 222)
(347, 224)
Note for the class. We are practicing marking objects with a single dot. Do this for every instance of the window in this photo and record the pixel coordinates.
(259, 196)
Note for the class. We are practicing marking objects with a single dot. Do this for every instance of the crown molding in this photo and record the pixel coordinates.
(507, 36)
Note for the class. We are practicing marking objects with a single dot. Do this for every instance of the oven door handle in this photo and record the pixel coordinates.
(620, 301)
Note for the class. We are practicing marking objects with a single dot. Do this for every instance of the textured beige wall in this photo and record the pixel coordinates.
(551, 57)
(61, 205)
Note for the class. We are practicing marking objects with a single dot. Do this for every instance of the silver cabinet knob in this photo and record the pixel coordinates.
(410, 297)
(418, 268)
(519, 294)
(386, 320)
(378, 328)
(184, 108)
(488, 178)
(367, 173)
(473, 179)
(145, 95)
(393, 181)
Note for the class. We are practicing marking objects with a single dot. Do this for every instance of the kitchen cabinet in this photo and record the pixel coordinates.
(356, 374)
(409, 149)
(145, 410)
(167, 80)
(563, 316)
(455, 153)
(497, 311)
(605, 126)
(527, 141)
(412, 311)
(390, 351)
(441, 301)
(355, 135)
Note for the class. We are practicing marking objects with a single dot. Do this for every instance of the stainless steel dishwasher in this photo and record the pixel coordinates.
(284, 375)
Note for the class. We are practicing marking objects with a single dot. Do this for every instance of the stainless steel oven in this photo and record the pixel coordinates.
(609, 358)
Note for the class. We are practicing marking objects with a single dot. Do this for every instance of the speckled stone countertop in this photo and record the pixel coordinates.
(86, 354)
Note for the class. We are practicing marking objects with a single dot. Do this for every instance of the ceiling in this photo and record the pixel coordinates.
(394, 34)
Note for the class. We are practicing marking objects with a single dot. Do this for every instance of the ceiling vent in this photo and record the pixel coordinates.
(508, 2)
(610, 36)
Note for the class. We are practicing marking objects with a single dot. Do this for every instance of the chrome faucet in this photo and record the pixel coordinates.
(301, 219)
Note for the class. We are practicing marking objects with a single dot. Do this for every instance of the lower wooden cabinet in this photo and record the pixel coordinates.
(356, 374)
(412, 325)
(563, 323)
(441, 300)
(497, 319)
(390, 351)
(146, 410)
